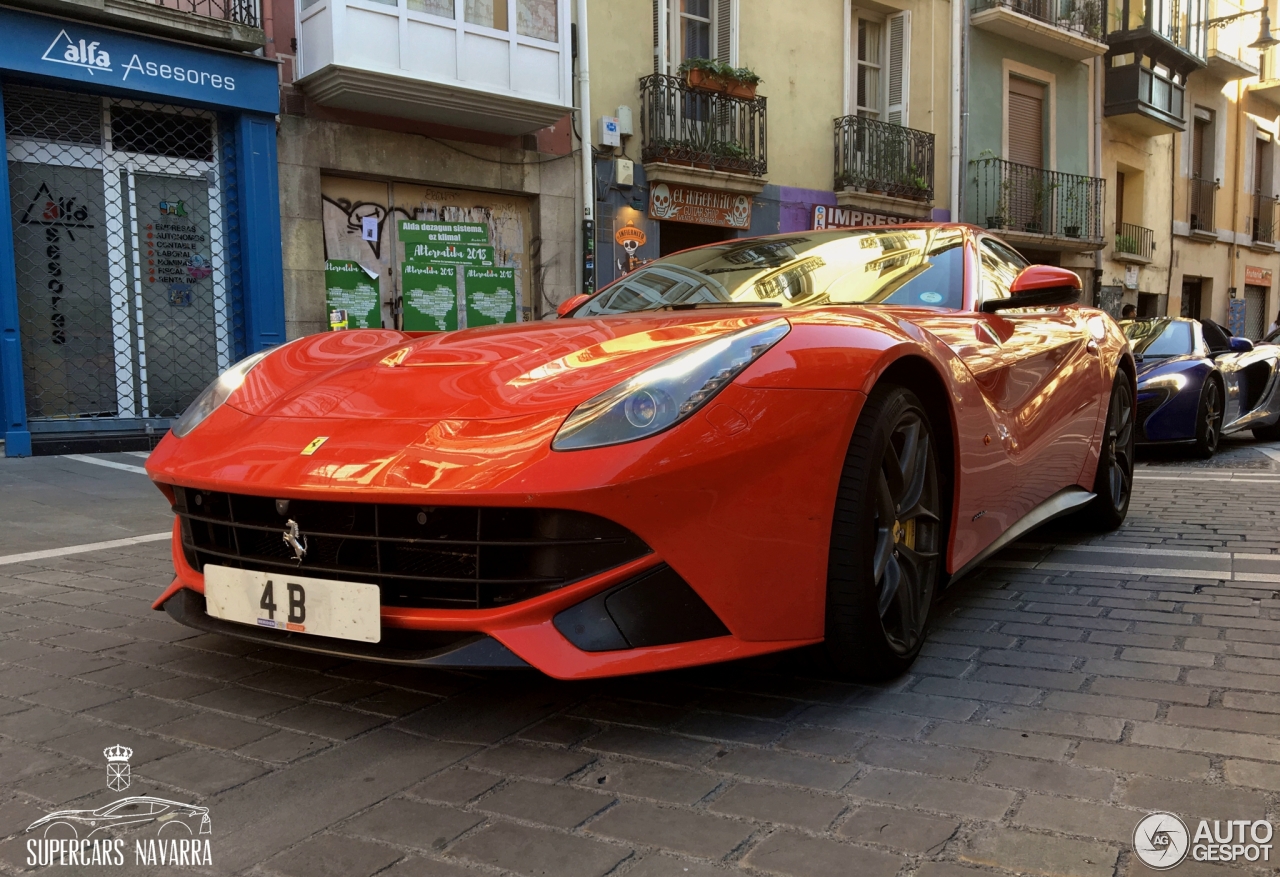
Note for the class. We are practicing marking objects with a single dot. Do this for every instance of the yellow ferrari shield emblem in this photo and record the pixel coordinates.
(314, 445)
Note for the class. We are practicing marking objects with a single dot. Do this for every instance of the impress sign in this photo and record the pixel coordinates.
(847, 217)
(699, 206)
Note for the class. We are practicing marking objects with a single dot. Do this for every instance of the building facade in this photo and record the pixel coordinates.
(850, 123)
(137, 256)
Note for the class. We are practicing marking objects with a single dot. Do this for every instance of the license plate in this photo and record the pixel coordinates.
(344, 610)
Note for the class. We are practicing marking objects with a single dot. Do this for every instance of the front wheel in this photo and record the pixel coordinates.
(1208, 420)
(886, 539)
(1113, 484)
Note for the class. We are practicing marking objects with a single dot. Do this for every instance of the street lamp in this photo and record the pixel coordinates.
(1264, 41)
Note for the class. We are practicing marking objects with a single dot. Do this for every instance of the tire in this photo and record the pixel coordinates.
(884, 565)
(1267, 433)
(1113, 483)
(1208, 420)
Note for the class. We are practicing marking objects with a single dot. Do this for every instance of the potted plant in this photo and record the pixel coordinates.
(1126, 244)
(706, 74)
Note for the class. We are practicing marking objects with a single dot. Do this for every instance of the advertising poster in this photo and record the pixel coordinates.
(491, 295)
(349, 288)
(430, 296)
(465, 254)
(419, 231)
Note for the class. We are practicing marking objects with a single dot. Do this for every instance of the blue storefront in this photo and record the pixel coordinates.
(140, 254)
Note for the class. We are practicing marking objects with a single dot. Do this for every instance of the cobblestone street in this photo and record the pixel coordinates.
(1071, 686)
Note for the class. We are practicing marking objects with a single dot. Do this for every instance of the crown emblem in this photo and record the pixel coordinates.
(118, 767)
(118, 753)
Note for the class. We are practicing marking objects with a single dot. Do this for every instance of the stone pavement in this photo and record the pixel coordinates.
(1070, 687)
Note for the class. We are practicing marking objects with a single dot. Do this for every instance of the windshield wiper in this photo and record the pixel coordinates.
(690, 305)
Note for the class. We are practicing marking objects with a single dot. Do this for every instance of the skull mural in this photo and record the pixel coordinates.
(660, 202)
(741, 215)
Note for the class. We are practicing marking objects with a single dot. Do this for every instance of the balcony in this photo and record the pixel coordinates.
(1229, 56)
(469, 65)
(1262, 225)
(1202, 195)
(1038, 208)
(698, 137)
(1068, 28)
(225, 24)
(1133, 243)
(883, 165)
(1268, 84)
(1147, 101)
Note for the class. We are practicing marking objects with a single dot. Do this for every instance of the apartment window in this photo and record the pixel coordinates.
(684, 29)
(534, 18)
(1119, 200)
(1027, 103)
(1203, 188)
(1263, 159)
(880, 55)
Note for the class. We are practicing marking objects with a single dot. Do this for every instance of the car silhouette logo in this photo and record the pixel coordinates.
(173, 818)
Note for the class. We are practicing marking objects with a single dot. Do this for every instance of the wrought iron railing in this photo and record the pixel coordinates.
(1083, 17)
(239, 11)
(1264, 219)
(683, 125)
(1202, 197)
(877, 156)
(1135, 240)
(1029, 199)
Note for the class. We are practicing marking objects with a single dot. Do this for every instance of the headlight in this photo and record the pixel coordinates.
(665, 394)
(215, 394)
(1173, 382)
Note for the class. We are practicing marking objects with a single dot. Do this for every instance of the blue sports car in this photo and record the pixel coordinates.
(1196, 383)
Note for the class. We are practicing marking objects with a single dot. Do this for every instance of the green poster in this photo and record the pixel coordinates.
(430, 297)
(467, 254)
(419, 231)
(491, 295)
(351, 296)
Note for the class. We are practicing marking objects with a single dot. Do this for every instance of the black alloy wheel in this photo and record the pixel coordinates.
(1209, 420)
(886, 539)
(1113, 483)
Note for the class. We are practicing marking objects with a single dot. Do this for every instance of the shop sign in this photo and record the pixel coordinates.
(847, 217)
(417, 231)
(42, 46)
(699, 206)
(351, 295)
(630, 238)
(1255, 276)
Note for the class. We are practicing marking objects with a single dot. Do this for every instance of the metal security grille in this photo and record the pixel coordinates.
(120, 251)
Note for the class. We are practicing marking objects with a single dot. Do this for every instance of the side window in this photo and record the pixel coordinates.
(1000, 265)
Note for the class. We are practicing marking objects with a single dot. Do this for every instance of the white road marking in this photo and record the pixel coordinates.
(1108, 549)
(1051, 566)
(1235, 480)
(142, 454)
(81, 549)
(110, 464)
(1273, 453)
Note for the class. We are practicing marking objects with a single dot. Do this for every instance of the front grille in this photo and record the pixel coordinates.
(446, 557)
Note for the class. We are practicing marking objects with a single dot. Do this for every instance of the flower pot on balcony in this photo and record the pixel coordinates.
(995, 222)
(745, 90)
(1071, 231)
(705, 81)
(1033, 228)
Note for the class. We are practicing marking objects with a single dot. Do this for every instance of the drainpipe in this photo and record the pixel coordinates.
(588, 158)
(1234, 252)
(957, 28)
(1099, 71)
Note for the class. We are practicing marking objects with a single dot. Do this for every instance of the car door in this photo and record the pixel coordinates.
(1048, 397)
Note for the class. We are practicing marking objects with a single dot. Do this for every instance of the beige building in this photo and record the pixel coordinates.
(849, 125)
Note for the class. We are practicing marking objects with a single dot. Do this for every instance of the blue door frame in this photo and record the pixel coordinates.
(148, 68)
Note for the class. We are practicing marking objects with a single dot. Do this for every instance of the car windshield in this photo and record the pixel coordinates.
(1158, 338)
(909, 266)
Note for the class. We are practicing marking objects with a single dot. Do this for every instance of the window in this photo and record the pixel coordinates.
(1262, 162)
(534, 18)
(1027, 101)
(684, 29)
(879, 56)
(1202, 145)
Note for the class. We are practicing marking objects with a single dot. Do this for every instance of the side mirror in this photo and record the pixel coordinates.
(570, 304)
(1239, 345)
(1038, 286)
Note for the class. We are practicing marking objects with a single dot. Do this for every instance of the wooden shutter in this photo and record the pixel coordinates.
(1026, 122)
(660, 36)
(898, 64)
(726, 48)
(1197, 149)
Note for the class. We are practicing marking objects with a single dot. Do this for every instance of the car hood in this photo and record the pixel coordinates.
(473, 374)
(61, 814)
(1149, 368)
